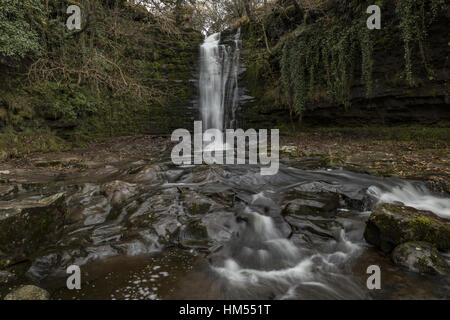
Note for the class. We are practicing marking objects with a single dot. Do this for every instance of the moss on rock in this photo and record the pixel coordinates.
(420, 257)
(391, 225)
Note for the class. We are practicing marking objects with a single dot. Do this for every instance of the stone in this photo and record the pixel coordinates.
(27, 226)
(305, 204)
(420, 257)
(118, 191)
(6, 190)
(28, 293)
(6, 277)
(289, 150)
(391, 225)
(194, 235)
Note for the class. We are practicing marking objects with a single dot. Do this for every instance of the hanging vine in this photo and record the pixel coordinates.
(415, 18)
(319, 63)
(318, 59)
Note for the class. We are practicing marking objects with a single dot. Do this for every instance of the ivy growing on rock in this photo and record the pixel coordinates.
(320, 60)
(415, 18)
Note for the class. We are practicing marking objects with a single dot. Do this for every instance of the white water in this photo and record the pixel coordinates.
(282, 263)
(218, 83)
(415, 197)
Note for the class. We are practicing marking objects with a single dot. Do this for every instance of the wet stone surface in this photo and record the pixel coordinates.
(420, 257)
(141, 230)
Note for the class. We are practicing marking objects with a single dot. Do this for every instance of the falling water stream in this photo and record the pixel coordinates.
(219, 94)
(141, 230)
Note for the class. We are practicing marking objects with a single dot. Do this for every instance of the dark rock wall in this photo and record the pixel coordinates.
(392, 101)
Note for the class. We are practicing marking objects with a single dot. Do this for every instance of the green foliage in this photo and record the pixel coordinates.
(318, 58)
(415, 18)
(126, 71)
(20, 25)
(68, 102)
(318, 62)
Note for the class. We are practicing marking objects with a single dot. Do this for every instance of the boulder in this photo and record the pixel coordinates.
(420, 257)
(28, 293)
(391, 225)
(26, 227)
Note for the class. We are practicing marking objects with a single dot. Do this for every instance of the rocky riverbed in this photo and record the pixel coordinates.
(141, 228)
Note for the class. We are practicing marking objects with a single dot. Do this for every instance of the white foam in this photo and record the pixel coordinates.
(411, 196)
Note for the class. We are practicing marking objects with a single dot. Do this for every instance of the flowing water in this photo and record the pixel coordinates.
(141, 230)
(146, 231)
(219, 91)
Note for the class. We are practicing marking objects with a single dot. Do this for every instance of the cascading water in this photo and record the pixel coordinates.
(219, 92)
(152, 231)
(227, 232)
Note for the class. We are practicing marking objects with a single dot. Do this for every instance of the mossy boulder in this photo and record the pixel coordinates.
(28, 293)
(420, 257)
(391, 225)
(27, 227)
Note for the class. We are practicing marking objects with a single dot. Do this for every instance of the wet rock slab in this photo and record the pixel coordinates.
(392, 225)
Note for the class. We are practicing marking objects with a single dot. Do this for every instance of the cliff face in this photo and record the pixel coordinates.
(330, 99)
(393, 100)
(125, 72)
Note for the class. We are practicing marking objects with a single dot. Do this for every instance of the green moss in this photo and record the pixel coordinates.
(397, 224)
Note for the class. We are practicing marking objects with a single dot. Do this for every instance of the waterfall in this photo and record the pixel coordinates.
(219, 91)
